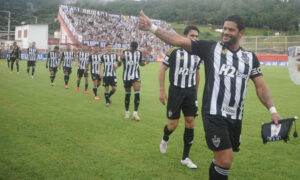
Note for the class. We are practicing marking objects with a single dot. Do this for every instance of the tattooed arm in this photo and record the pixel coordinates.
(265, 97)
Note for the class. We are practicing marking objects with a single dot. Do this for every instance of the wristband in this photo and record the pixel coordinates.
(153, 28)
(272, 110)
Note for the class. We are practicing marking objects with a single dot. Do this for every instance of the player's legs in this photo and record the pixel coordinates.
(67, 72)
(78, 83)
(8, 61)
(221, 164)
(222, 136)
(17, 64)
(106, 95)
(173, 115)
(52, 76)
(113, 84)
(189, 109)
(86, 85)
(188, 136)
(169, 128)
(12, 64)
(79, 76)
(136, 88)
(127, 98)
(33, 69)
(28, 68)
(95, 87)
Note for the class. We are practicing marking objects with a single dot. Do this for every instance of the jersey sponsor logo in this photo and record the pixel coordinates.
(255, 71)
(229, 110)
(216, 141)
(109, 63)
(131, 63)
(230, 71)
(185, 71)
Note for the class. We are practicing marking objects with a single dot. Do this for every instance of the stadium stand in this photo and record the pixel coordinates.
(92, 27)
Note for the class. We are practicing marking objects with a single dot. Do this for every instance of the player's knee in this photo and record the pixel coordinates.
(225, 161)
(172, 125)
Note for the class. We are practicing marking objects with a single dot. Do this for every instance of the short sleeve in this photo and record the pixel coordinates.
(201, 48)
(169, 56)
(255, 72)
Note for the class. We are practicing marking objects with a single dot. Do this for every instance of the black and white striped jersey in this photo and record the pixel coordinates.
(9, 53)
(83, 58)
(94, 60)
(32, 54)
(67, 57)
(131, 62)
(108, 61)
(53, 59)
(226, 77)
(183, 67)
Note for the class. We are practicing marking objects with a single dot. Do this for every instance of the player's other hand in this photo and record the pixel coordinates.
(275, 118)
(163, 97)
(101, 75)
(144, 22)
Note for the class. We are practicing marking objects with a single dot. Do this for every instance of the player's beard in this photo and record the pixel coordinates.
(231, 42)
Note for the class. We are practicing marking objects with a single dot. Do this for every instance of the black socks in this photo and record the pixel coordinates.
(136, 100)
(188, 141)
(167, 133)
(218, 173)
(127, 100)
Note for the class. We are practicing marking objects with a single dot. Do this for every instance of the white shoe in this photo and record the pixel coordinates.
(32, 77)
(136, 117)
(163, 146)
(188, 163)
(127, 114)
(107, 104)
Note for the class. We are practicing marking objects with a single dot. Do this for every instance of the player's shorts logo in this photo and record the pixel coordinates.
(170, 113)
(216, 141)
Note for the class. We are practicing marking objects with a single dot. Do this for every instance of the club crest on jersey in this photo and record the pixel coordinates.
(245, 58)
(224, 51)
(216, 141)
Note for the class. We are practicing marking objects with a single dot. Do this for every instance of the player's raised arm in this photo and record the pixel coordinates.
(168, 37)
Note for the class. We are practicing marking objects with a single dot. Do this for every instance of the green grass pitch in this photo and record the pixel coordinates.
(53, 133)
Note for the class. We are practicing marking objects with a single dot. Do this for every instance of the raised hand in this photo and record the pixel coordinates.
(144, 22)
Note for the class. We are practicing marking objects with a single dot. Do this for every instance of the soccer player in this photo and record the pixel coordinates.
(94, 60)
(228, 68)
(67, 57)
(131, 59)
(109, 60)
(32, 58)
(184, 80)
(15, 57)
(82, 60)
(53, 58)
(9, 56)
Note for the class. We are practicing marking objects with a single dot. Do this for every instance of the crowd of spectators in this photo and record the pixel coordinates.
(101, 27)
